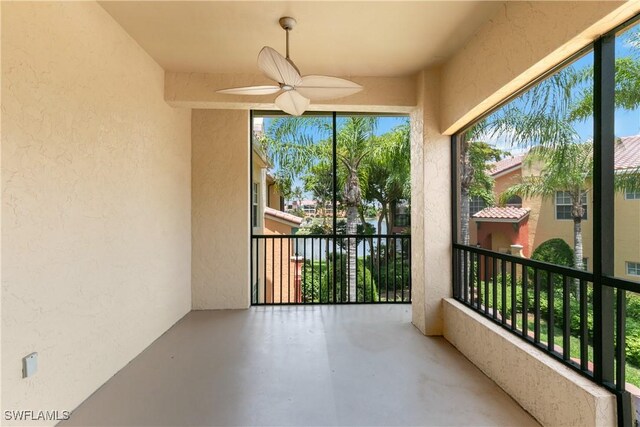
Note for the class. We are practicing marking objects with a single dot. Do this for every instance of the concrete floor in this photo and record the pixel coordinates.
(323, 365)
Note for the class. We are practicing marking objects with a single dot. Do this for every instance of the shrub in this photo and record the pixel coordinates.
(319, 287)
(554, 251)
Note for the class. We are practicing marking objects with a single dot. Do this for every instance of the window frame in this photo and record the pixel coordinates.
(585, 206)
(255, 205)
(636, 267)
(636, 194)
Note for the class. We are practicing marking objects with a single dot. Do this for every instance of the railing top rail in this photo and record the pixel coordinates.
(615, 282)
(329, 236)
(557, 269)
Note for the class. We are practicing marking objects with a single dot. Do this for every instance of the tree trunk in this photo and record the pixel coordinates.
(352, 256)
(383, 214)
(577, 239)
(464, 215)
(577, 251)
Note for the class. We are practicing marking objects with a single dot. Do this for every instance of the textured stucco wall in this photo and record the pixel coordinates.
(554, 394)
(220, 209)
(95, 202)
(430, 208)
(518, 44)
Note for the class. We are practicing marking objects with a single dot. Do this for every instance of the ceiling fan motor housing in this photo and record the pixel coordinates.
(287, 23)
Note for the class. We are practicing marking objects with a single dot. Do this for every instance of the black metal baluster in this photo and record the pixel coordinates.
(472, 288)
(273, 271)
(550, 312)
(356, 262)
(409, 265)
(566, 315)
(313, 269)
(265, 270)
(281, 272)
(386, 263)
(320, 262)
(480, 297)
(342, 281)
(257, 278)
(514, 301)
(402, 266)
(621, 316)
(487, 297)
(525, 302)
(395, 270)
(379, 261)
(494, 275)
(584, 332)
(536, 306)
(304, 270)
(465, 273)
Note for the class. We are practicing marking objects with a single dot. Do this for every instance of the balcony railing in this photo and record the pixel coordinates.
(330, 269)
(552, 307)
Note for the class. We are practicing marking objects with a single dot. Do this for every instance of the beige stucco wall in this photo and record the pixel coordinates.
(518, 44)
(220, 209)
(430, 208)
(95, 202)
(553, 393)
(627, 235)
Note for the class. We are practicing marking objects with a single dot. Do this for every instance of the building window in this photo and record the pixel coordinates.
(402, 218)
(633, 268)
(632, 194)
(564, 205)
(476, 204)
(254, 205)
(515, 201)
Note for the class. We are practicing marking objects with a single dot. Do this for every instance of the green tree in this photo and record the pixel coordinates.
(475, 163)
(292, 144)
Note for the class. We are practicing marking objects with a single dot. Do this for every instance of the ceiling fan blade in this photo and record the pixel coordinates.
(276, 67)
(291, 102)
(251, 90)
(324, 87)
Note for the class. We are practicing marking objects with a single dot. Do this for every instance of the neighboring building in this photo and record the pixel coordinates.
(401, 218)
(277, 269)
(532, 221)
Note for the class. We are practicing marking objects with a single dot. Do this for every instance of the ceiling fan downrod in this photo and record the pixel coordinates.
(287, 23)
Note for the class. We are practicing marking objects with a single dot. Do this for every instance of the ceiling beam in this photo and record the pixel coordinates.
(198, 90)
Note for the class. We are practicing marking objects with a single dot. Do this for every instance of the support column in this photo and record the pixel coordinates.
(430, 208)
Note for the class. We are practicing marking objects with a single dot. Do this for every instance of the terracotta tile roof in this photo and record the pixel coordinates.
(627, 153)
(505, 213)
(283, 215)
(506, 164)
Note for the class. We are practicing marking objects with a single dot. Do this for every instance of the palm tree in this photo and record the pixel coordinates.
(296, 144)
(567, 168)
(354, 144)
(296, 193)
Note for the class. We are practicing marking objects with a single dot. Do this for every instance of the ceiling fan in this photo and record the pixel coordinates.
(296, 91)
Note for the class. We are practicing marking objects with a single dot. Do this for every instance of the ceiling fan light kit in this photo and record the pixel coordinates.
(296, 91)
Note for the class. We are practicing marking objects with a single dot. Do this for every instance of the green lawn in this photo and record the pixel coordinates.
(632, 373)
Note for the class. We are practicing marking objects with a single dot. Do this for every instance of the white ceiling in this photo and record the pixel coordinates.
(384, 38)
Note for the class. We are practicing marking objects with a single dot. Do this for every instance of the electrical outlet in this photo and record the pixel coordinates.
(29, 365)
